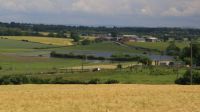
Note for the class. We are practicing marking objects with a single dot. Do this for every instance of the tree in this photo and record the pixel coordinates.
(86, 42)
(113, 34)
(145, 60)
(173, 50)
(75, 36)
(185, 54)
(51, 34)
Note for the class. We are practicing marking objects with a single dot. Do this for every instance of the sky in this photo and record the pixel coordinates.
(140, 13)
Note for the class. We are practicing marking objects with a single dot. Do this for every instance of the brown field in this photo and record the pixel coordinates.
(99, 98)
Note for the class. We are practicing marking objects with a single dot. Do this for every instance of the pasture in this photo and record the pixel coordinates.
(158, 45)
(13, 46)
(104, 47)
(43, 40)
(27, 58)
(99, 98)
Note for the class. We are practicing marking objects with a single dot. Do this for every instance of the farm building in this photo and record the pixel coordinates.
(151, 39)
(132, 38)
(161, 60)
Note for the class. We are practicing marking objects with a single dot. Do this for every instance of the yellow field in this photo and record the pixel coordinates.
(99, 98)
(44, 40)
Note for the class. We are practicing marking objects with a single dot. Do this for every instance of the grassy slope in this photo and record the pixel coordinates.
(158, 45)
(44, 40)
(142, 76)
(99, 98)
(7, 45)
(18, 65)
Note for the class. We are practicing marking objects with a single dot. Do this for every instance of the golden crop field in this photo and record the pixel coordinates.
(43, 40)
(99, 98)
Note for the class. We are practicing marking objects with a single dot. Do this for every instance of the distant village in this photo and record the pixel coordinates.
(130, 38)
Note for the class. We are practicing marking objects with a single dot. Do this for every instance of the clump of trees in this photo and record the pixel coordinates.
(76, 56)
(186, 54)
(173, 50)
(86, 42)
(75, 36)
(126, 57)
(141, 59)
(185, 79)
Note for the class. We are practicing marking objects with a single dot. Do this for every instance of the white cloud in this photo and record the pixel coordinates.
(85, 11)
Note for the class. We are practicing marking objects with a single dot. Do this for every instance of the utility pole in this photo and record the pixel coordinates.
(191, 63)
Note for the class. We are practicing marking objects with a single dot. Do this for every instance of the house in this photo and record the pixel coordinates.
(161, 60)
(132, 38)
(151, 39)
(141, 40)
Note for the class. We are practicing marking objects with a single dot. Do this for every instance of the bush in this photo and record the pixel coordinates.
(15, 79)
(119, 66)
(86, 42)
(185, 80)
(1, 68)
(112, 81)
(94, 81)
(19, 79)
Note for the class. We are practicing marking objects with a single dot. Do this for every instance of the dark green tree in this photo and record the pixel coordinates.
(86, 42)
(186, 54)
(75, 36)
(173, 50)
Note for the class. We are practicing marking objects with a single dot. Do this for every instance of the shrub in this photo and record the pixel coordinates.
(94, 81)
(119, 66)
(110, 81)
(1, 68)
(86, 42)
(15, 79)
(185, 80)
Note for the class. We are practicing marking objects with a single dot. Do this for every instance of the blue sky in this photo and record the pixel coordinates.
(148, 13)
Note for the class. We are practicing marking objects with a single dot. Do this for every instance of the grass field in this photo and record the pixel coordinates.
(99, 98)
(158, 45)
(43, 40)
(12, 64)
(104, 46)
(7, 46)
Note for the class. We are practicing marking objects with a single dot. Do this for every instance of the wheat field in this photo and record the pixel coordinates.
(99, 98)
(43, 40)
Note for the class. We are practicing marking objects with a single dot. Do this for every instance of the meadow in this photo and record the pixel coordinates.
(43, 40)
(99, 98)
(103, 47)
(27, 58)
(158, 45)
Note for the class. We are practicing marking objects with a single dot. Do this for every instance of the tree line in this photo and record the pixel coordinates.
(10, 29)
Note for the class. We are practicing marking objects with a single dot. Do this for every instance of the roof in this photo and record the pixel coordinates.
(133, 36)
(161, 58)
(152, 38)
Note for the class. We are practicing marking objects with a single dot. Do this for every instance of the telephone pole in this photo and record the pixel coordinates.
(191, 63)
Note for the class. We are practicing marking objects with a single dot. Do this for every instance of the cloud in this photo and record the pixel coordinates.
(122, 12)
(138, 7)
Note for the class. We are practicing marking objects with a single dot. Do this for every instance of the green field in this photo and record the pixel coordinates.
(126, 76)
(43, 40)
(157, 45)
(104, 46)
(23, 58)
(14, 46)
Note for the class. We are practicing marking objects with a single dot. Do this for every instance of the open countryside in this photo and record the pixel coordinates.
(99, 56)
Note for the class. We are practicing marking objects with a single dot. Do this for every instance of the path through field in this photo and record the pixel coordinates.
(99, 98)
